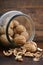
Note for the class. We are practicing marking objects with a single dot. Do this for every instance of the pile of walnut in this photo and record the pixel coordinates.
(19, 35)
(29, 49)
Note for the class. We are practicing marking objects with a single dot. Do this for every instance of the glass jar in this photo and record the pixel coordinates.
(23, 19)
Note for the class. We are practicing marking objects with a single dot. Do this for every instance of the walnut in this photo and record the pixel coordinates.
(15, 52)
(20, 40)
(39, 49)
(10, 32)
(29, 54)
(14, 23)
(37, 54)
(30, 46)
(20, 28)
(16, 35)
(23, 51)
(7, 53)
(25, 34)
(3, 39)
(19, 56)
(15, 31)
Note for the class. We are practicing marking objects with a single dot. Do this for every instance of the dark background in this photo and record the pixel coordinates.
(34, 8)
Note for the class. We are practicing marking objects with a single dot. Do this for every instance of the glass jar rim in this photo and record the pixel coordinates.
(33, 32)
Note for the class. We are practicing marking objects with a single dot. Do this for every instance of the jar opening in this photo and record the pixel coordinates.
(24, 20)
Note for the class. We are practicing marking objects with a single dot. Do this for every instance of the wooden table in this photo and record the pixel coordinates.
(34, 8)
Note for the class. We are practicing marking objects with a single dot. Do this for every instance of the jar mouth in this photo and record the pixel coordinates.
(33, 28)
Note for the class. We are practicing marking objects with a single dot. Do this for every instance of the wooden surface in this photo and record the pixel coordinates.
(34, 8)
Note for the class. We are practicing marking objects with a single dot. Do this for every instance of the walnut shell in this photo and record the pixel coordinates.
(4, 40)
(20, 28)
(39, 49)
(19, 58)
(10, 31)
(15, 52)
(37, 54)
(16, 35)
(25, 34)
(7, 53)
(14, 23)
(30, 46)
(20, 40)
(15, 31)
(29, 54)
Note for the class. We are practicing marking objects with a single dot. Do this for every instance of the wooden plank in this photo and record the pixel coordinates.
(22, 3)
(6, 5)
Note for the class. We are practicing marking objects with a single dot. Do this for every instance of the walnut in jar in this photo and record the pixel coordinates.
(20, 40)
(20, 28)
(16, 35)
(14, 23)
(25, 34)
(10, 31)
(3, 39)
(15, 31)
